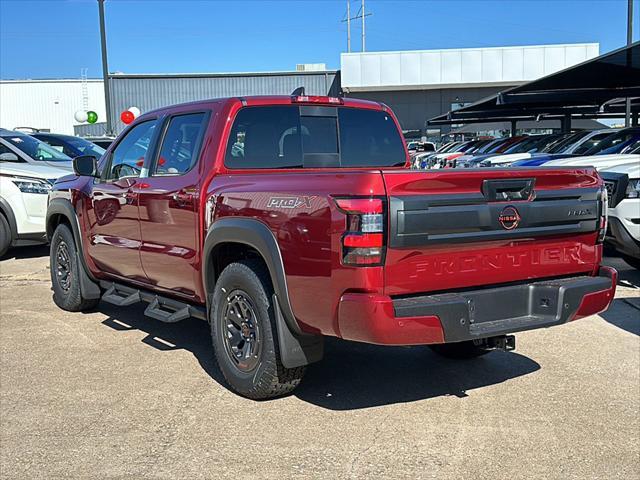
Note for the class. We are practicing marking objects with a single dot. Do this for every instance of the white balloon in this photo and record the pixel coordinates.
(80, 116)
(135, 111)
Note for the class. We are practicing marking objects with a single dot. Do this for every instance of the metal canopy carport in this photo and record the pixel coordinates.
(579, 124)
(596, 88)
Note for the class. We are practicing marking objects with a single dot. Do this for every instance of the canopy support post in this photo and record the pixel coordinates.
(565, 123)
(513, 127)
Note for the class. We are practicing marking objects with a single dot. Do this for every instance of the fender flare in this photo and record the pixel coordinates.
(63, 207)
(257, 235)
(296, 347)
(6, 209)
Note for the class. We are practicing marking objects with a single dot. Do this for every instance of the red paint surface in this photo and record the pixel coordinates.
(598, 302)
(370, 318)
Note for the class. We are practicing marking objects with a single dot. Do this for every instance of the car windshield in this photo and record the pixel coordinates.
(36, 149)
(84, 147)
(614, 143)
(490, 146)
(560, 145)
(523, 146)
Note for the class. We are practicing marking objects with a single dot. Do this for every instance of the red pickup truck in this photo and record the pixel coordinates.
(281, 220)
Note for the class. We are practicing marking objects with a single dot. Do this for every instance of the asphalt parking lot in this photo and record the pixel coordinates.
(112, 394)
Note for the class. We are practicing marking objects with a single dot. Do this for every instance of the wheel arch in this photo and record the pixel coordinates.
(60, 210)
(296, 347)
(254, 236)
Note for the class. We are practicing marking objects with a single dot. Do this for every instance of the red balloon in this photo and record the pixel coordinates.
(127, 117)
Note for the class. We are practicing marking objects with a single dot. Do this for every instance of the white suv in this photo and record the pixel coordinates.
(623, 186)
(24, 189)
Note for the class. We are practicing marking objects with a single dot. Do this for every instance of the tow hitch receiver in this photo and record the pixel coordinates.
(502, 342)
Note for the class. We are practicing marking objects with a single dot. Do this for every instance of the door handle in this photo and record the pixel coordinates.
(182, 198)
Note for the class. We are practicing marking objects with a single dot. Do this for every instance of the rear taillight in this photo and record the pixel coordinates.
(363, 243)
(603, 207)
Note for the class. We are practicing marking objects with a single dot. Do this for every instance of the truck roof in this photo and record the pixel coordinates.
(254, 100)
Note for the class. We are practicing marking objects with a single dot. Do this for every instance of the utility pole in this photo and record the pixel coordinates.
(349, 26)
(105, 68)
(361, 14)
(364, 36)
(627, 117)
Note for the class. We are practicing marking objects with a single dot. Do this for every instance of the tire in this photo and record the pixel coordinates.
(459, 350)
(5, 235)
(242, 309)
(65, 269)
(632, 261)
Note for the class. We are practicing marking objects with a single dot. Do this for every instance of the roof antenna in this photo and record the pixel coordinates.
(298, 92)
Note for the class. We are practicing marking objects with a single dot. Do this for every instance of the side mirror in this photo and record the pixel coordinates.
(8, 157)
(86, 166)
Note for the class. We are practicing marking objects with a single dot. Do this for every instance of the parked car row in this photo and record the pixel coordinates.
(29, 166)
(527, 151)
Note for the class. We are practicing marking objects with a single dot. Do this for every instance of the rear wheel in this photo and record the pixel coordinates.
(5, 235)
(65, 270)
(459, 350)
(632, 261)
(244, 333)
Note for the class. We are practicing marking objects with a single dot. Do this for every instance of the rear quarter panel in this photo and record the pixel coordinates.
(299, 210)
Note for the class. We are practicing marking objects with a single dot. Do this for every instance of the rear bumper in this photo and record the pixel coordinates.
(469, 315)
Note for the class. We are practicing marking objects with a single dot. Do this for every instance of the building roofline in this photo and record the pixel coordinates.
(49, 80)
(508, 47)
(223, 75)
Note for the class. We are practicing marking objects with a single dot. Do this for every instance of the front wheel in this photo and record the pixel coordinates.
(632, 261)
(244, 333)
(65, 273)
(5, 235)
(459, 350)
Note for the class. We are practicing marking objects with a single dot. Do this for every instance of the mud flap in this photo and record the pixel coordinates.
(296, 350)
(88, 288)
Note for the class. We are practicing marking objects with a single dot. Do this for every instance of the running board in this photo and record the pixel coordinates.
(167, 312)
(121, 296)
(160, 308)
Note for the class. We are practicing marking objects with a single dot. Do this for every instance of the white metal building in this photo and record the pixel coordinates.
(417, 85)
(48, 104)
(422, 84)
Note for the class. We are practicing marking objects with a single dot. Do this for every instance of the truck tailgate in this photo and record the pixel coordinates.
(453, 229)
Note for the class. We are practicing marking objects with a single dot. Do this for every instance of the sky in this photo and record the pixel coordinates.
(57, 38)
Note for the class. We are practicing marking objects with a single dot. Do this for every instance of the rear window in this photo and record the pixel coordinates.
(300, 136)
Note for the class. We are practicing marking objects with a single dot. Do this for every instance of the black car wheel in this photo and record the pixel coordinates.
(63, 260)
(632, 261)
(244, 334)
(5, 235)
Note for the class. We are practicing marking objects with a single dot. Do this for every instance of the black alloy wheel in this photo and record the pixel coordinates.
(242, 339)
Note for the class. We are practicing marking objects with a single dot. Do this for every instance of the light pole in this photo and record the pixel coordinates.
(105, 68)
(627, 117)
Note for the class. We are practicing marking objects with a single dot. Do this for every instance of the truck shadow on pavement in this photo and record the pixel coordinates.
(352, 375)
(624, 313)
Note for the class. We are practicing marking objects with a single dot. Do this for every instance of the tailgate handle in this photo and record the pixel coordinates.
(508, 190)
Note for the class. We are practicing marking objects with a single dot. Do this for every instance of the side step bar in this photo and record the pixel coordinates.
(160, 308)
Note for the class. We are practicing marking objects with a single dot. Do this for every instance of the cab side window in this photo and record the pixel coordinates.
(181, 144)
(128, 157)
